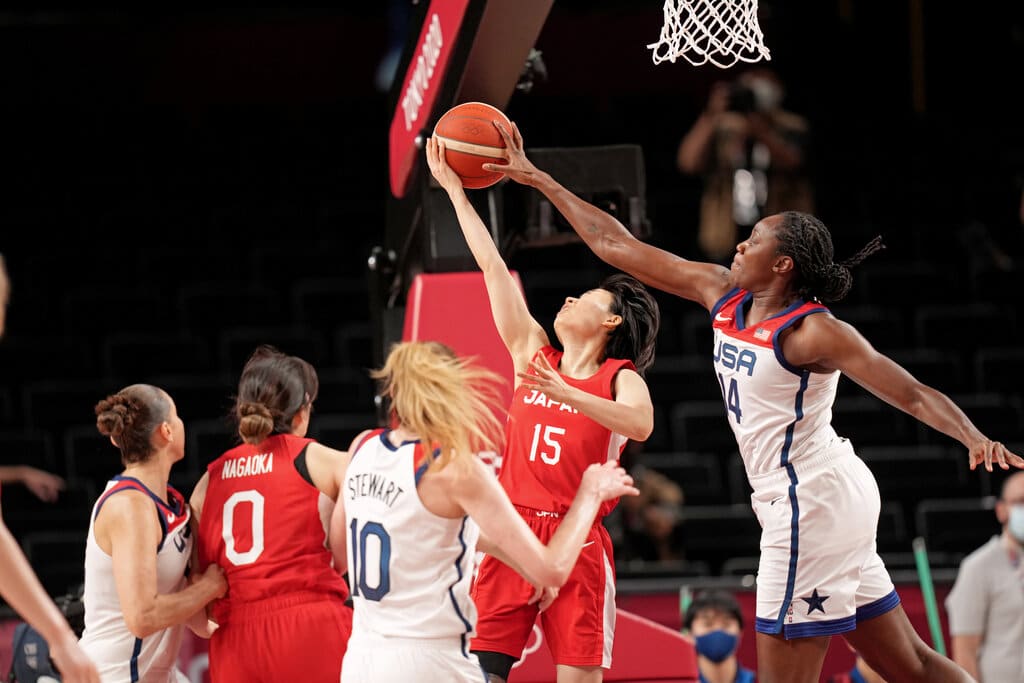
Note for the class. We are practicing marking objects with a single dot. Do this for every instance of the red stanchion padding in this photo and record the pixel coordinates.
(644, 651)
(453, 308)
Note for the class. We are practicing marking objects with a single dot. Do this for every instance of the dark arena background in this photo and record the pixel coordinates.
(182, 186)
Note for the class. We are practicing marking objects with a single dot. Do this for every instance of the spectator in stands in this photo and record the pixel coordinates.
(751, 154)
(986, 605)
(652, 522)
(20, 587)
(715, 621)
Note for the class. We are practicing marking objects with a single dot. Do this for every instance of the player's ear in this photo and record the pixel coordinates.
(783, 264)
(612, 321)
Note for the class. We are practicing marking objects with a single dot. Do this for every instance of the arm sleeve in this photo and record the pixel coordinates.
(967, 602)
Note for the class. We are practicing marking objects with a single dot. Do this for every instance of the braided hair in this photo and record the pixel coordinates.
(808, 242)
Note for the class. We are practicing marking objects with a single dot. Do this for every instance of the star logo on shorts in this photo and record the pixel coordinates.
(816, 602)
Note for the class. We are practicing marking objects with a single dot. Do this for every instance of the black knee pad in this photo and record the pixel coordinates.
(496, 663)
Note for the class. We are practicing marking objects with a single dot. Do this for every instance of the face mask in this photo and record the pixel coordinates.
(716, 645)
(1016, 522)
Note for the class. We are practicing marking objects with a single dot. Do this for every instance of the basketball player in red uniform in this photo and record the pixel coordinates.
(571, 408)
(263, 509)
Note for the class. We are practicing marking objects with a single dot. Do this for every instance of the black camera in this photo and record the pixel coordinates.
(741, 99)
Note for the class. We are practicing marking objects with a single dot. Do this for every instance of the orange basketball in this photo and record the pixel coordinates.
(471, 140)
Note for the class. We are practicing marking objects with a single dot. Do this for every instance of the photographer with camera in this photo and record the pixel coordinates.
(751, 154)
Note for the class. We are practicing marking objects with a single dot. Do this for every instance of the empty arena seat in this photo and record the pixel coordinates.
(893, 532)
(886, 328)
(714, 533)
(199, 396)
(942, 369)
(236, 344)
(345, 390)
(964, 327)
(956, 525)
(701, 426)
(206, 440)
(352, 344)
(337, 430)
(209, 307)
(672, 379)
(865, 420)
(19, 447)
(998, 416)
(52, 404)
(24, 513)
(88, 455)
(1000, 369)
(58, 557)
(136, 356)
(698, 474)
(908, 474)
(326, 302)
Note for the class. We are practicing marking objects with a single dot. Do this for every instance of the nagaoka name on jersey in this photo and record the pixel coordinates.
(248, 465)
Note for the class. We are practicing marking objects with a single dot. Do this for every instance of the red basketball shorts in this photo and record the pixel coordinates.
(578, 626)
(293, 637)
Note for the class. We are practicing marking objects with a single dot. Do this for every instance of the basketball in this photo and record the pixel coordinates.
(471, 140)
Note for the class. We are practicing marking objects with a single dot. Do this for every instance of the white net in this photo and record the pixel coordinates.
(721, 32)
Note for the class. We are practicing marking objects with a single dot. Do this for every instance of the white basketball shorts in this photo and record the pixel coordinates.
(819, 572)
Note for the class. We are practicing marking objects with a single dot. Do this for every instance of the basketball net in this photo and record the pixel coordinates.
(722, 32)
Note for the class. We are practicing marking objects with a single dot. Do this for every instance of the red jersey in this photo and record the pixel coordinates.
(549, 444)
(262, 522)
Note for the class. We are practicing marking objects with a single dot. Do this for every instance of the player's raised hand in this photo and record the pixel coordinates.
(544, 378)
(518, 168)
(439, 168)
(985, 452)
(608, 480)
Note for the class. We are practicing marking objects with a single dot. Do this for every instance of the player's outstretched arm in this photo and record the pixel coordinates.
(823, 342)
(522, 334)
(22, 591)
(478, 493)
(704, 283)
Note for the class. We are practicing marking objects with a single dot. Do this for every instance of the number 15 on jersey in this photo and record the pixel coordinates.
(551, 449)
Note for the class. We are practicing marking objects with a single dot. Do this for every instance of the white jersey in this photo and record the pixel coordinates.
(779, 413)
(409, 570)
(118, 654)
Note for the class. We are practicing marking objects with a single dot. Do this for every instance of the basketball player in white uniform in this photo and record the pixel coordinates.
(402, 524)
(778, 354)
(136, 596)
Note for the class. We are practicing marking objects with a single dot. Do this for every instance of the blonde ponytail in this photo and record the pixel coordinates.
(451, 403)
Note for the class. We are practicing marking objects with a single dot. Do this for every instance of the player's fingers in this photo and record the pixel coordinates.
(517, 137)
(988, 456)
(506, 135)
(999, 455)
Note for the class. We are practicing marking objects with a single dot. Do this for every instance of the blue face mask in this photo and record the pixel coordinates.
(1016, 522)
(716, 645)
